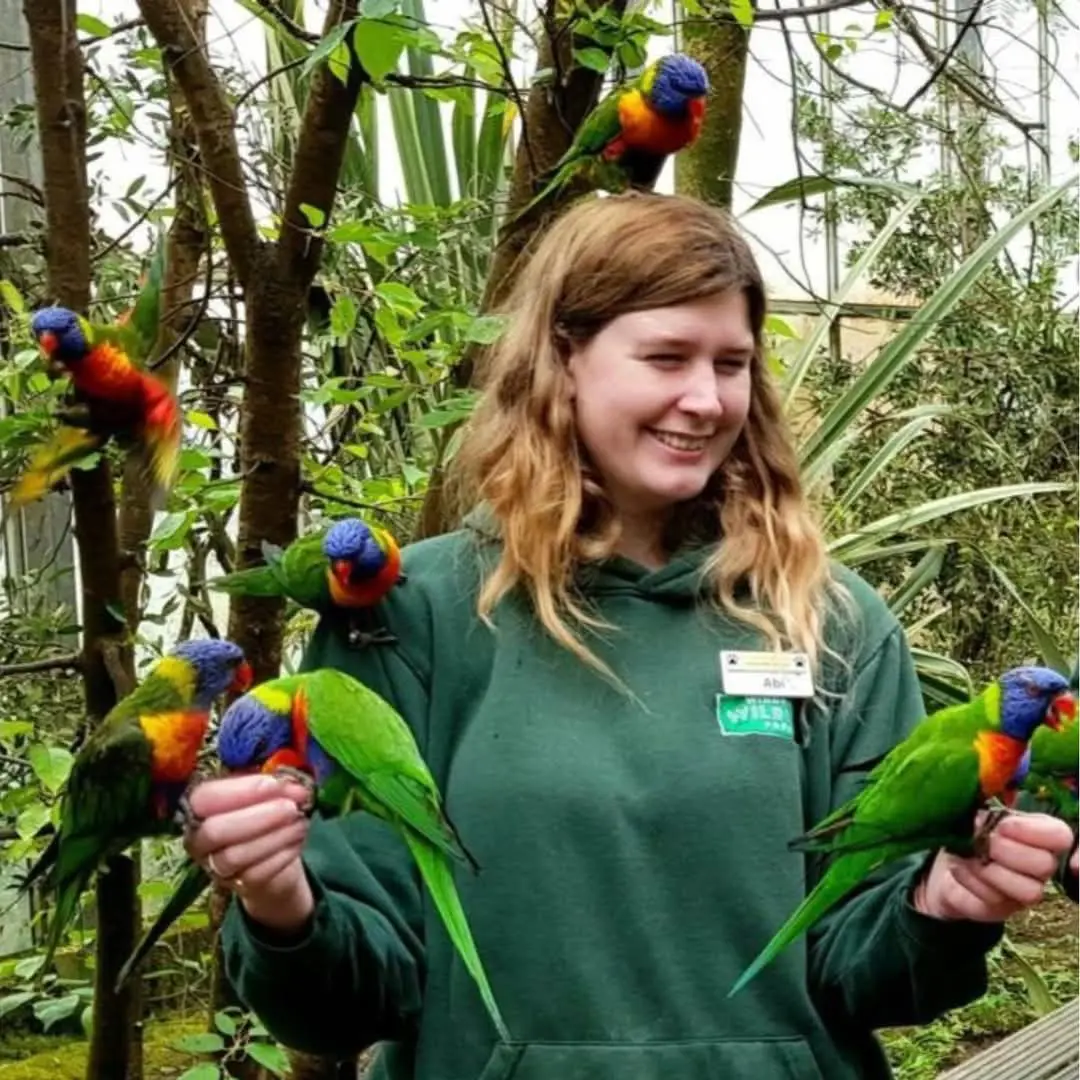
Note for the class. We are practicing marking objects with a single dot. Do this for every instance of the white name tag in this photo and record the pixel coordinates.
(766, 674)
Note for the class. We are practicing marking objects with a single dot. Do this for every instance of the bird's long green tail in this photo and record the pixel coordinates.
(844, 874)
(437, 874)
(256, 581)
(63, 915)
(193, 881)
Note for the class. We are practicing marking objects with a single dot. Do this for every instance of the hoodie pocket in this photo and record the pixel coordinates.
(721, 1059)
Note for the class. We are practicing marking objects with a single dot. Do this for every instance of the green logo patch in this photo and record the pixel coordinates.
(756, 716)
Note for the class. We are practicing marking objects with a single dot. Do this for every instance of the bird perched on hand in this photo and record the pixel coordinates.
(925, 793)
(1051, 767)
(129, 779)
(625, 140)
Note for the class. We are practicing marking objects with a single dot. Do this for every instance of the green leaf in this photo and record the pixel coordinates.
(30, 820)
(801, 365)
(201, 420)
(316, 218)
(51, 1010)
(916, 516)
(323, 50)
(12, 298)
(51, 765)
(205, 1071)
(743, 10)
(200, 1042)
(883, 19)
(269, 1057)
(10, 1002)
(379, 9)
(225, 1023)
(343, 316)
(805, 187)
(379, 46)
(924, 573)
(901, 349)
(170, 531)
(1042, 1000)
(485, 329)
(1048, 647)
(89, 24)
(12, 729)
(399, 297)
(592, 58)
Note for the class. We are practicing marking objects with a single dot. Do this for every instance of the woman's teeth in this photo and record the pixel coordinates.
(680, 442)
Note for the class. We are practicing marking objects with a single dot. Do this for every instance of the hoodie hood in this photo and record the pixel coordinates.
(679, 582)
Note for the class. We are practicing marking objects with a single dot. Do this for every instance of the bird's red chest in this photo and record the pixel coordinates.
(642, 128)
(175, 739)
(106, 372)
(999, 756)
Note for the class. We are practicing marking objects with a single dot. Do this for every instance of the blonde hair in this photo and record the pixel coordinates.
(520, 454)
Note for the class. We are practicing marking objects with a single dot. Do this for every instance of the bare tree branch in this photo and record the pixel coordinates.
(213, 121)
(946, 57)
(67, 662)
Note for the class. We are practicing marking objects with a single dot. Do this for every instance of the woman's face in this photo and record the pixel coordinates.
(660, 397)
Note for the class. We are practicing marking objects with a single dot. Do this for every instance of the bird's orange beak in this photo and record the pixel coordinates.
(1061, 710)
(48, 342)
(242, 678)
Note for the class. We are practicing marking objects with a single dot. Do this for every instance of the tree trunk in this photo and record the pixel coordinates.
(706, 170)
(107, 665)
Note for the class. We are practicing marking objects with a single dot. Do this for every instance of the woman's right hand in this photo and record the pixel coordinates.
(250, 834)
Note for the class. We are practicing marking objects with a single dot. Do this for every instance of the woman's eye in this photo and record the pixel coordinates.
(665, 358)
(730, 363)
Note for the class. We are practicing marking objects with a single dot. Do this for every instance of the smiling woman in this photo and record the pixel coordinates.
(635, 677)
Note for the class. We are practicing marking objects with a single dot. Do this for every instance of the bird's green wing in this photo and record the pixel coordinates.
(302, 569)
(370, 740)
(136, 332)
(929, 795)
(598, 129)
(1056, 753)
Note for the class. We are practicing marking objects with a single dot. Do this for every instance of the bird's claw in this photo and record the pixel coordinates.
(185, 817)
(298, 776)
(994, 817)
(361, 639)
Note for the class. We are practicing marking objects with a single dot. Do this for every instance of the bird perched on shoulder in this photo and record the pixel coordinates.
(925, 793)
(350, 565)
(625, 140)
(119, 401)
(129, 779)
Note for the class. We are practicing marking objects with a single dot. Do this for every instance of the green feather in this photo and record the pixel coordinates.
(921, 796)
(298, 572)
(105, 805)
(192, 881)
(380, 763)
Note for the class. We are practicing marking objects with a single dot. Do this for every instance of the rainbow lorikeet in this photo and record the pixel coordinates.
(116, 398)
(1052, 764)
(130, 777)
(628, 136)
(924, 793)
(349, 745)
(349, 565)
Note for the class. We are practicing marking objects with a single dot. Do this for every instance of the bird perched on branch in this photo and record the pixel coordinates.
(625, 140)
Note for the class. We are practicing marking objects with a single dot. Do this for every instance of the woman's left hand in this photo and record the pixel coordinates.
(1024, 852)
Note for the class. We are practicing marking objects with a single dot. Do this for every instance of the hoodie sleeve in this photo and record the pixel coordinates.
(354, 975)
(875, 961)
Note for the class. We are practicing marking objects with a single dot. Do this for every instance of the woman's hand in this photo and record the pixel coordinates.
(249, 839)
(1024, 851)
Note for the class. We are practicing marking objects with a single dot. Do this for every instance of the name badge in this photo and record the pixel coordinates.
(766, 674)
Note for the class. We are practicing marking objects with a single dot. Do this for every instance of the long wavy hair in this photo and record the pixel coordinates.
(521, 456)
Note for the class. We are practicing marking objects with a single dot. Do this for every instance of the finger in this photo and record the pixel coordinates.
(263, 875)
(993, 878)
(1037, 830)
(237, 859)
(232, 793)
(1032, 862)
(239, 826)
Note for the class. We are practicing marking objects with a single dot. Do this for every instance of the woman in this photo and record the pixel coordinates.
(558, 657)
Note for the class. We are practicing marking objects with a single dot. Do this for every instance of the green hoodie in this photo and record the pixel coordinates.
(633, 856)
